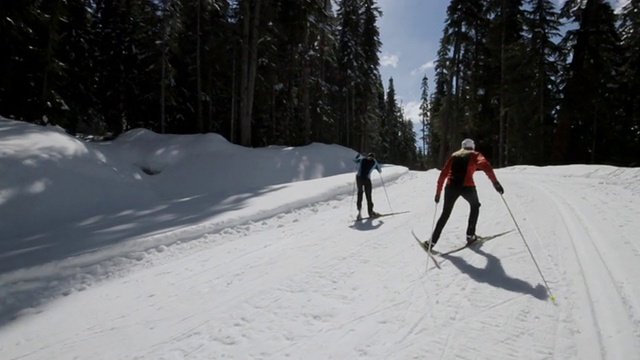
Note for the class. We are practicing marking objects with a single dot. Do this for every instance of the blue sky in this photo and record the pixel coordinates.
(410, 31)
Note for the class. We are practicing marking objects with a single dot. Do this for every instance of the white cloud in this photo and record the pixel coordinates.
(428, 65)
(389, 60)
(412, 111)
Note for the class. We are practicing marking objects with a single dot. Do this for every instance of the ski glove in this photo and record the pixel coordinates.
(498, 187)
(437, 198)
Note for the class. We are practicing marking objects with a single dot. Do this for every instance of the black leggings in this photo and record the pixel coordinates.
(364, 185)
(451, 194)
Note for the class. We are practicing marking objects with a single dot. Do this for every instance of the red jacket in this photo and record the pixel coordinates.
(459, 169)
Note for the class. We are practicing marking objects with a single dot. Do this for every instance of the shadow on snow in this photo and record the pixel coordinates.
(367, 224)
(493, 274)
(95, 234)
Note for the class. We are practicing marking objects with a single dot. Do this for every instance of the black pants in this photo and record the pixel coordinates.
(364, 185)
(451, 194)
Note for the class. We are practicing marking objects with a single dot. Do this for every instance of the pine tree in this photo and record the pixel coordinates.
(397, 132)
(390, 124)
(250, 14)
(326, 44)
(125, 32)
(506, 43)
(425, 122)
(460, 67)
(438, 116)
(542, 25)
(167, 45)
(293, 72)
(23, 37)
(588, 107)
(629, 141)
(370, 78)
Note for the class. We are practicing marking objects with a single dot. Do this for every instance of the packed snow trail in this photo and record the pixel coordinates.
(311, 284)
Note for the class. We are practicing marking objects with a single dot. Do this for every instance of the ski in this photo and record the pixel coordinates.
(426, 249)
(382, 215)
(481, 240)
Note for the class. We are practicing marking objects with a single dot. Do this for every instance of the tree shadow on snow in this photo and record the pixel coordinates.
(101, 232)
(493, 274)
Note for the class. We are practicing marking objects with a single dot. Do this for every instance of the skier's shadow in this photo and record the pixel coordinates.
(368, 224)
(493, 274)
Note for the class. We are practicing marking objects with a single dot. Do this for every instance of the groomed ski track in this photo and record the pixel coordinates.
(312, 284)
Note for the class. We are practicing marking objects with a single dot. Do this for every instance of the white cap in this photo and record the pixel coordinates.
(468, 144)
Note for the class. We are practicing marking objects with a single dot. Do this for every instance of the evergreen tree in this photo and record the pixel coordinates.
(460, 68)
(124, 32)
(628, 144)
(250, 12)
(391, 124)
(369, 128)
(24, 38)
(170, 27)
(381, 144)
(324, 119)
(438, 114)
(350, 61)
(425, 122)
(397, 132)
(542, 25)
(587, 116)
(358, 75)
(74, 50)
(293, 76)
(407, 154)
(506, 43)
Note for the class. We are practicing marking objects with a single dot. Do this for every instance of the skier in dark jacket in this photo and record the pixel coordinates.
(458, 172)
(363, 181)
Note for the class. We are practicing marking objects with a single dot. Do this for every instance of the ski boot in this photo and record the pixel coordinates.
(428, 243)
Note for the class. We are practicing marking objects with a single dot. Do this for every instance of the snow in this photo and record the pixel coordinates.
(189, 247)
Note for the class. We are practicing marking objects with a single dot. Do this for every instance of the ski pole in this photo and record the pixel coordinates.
(385, 192)
(433, 226)
(553, 298)
(353, 194)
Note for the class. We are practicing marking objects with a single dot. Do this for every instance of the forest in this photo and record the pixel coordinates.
(531, 82)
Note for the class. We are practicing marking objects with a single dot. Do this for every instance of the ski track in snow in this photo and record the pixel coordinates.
(304, 285)
(614, 310)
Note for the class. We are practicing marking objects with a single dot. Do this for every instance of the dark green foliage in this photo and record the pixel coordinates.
(588, 117)
(628, 125)
(544, 61)
(183, 66)
(506, 78)
(292, 72)
(259, 72)
(122, 58)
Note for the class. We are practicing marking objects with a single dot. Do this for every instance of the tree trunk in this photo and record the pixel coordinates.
(595, 134)
(162, 90)
(306, 102)
(234, 94)
(245, 122)
(199, 120)
(502, 89)
(541, 139)
(249, 65)
(53, 30)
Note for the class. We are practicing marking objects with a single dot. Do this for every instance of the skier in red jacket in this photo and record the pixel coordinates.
(458, 171)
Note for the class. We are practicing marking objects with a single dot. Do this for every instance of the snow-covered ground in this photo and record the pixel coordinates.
(234, 253)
